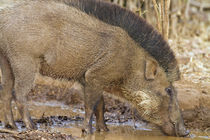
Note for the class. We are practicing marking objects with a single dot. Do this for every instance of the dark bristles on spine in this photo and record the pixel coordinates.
(137, 28)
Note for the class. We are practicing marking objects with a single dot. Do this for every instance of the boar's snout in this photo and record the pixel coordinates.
(175, 129)
(180, 129)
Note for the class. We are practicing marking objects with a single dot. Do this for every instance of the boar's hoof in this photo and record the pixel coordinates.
(102, 128)
(11, 126)
(87, 130)
(30, 125)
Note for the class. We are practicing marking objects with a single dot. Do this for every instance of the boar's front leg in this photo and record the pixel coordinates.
(6, 92)
(96, 78)
(94, 103)
(92, 99)
(24, 69)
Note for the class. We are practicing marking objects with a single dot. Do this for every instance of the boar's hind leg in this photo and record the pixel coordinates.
(24, 69)
(100, 123)
(6, 92)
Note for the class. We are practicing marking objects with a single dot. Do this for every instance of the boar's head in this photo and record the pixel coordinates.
(155, 97)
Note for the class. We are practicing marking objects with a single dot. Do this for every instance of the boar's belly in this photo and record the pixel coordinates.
(66, 65)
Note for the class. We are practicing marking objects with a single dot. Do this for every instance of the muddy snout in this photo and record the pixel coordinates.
(175, 129)
(181, 130)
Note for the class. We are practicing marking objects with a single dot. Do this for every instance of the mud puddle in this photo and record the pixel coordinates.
(65, 128)
(59, 114)
(118, 131)
(126, 132)
(69, 127)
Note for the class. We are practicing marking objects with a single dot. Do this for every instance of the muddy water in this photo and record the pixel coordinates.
(72, 126)
(125, 132)
(118, 131)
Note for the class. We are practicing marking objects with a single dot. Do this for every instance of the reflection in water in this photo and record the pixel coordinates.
(124, 133)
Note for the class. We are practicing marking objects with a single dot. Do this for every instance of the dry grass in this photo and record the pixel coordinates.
(195, 51)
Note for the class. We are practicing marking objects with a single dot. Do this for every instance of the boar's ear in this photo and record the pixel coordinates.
(150, 70)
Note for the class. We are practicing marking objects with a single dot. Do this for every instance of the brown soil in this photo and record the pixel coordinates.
(35, 135)
(194, 100)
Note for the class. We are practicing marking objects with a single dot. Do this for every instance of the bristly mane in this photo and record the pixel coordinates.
(137, 28)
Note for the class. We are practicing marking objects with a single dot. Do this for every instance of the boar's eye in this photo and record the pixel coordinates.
(169, 91)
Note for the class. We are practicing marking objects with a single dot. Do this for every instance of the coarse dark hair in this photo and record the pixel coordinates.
(136, 27)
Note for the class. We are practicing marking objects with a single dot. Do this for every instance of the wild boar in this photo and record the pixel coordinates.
(103, 46)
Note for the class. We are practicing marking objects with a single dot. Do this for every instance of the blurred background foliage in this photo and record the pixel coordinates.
(186, 25)
(179, 12)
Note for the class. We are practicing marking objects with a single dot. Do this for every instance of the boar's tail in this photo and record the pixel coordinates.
(137, 28)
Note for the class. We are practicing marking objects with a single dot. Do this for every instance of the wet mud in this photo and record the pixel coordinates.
(59, 113)
(58, 128)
